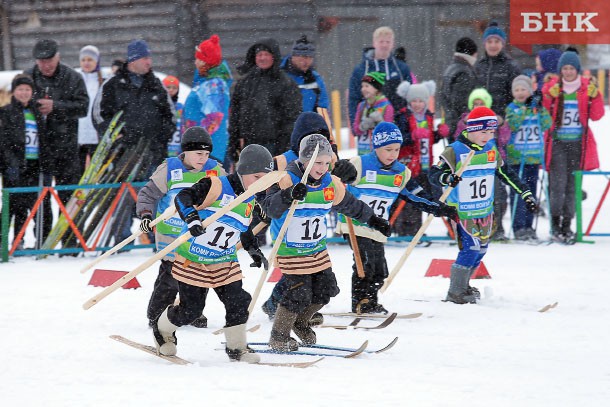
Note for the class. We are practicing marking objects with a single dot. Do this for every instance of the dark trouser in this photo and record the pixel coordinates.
(375, 271)
(165, 291)
(84, 151)
(20, 204)
(500, 204)
(409, 221)
(306, 289)
(67, 172)
(192, 303)
(565, 159)
(524, 218)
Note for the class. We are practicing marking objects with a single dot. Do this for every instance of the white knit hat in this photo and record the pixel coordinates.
(421, 91)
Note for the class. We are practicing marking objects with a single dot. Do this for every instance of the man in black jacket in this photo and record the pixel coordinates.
(147, 108)
(61, 96)
(265, 103)
(459, 80)
(148, 113)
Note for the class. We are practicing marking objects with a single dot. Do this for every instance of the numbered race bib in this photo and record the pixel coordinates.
(527, 136)
(218, 240)
(424, 149)
(476, 194)
(380, 206)
(570, 129)
(306, 232)
(31, 137)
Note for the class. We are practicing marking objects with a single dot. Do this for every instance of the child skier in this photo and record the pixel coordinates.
(306, 124)
(528, 121)
(374, 109)
(209, 259)
(416, 124)
(381, 179)
(474, 197)
(302, 255)
(158, 194)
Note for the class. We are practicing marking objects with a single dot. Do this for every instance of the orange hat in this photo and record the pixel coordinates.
(171, 80)
(209, 51)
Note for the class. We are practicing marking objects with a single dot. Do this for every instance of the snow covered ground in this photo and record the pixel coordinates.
(501, 352)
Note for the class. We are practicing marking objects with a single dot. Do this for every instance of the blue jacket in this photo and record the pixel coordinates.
(396, 71)
(311, 85)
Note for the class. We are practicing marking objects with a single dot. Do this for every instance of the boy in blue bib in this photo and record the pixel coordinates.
(473, 196)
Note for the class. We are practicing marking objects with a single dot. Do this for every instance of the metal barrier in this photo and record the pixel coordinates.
(578, 175)
(43, 191)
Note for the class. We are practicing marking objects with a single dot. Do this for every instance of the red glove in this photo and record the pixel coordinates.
(442, 130)
(419, 134)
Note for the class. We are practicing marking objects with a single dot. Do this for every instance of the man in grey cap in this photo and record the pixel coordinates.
(61, 96)
(299, 66)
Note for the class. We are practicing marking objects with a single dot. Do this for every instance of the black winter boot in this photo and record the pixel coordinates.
(164, 333)
(556, 228)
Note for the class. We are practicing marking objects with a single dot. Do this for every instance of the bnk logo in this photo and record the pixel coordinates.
(559, 22)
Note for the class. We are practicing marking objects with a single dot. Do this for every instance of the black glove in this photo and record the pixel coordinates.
(259, 215)
(530, 202)
(380, 224)
(446, 210)
(534, 100)
(296, 192)
(451, 179)
(145, 223)
(194, 223)
(258, 258)
(345, 170)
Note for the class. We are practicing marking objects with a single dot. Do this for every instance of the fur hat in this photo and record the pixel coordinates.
(209, 51)
(481, 118)
(523, 81)
(421, 91)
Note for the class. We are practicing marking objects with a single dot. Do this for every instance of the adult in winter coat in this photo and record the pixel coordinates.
(299, 66)
(546, 66)
(572, 101)
(147, 109)
(459, 79)
(379, 59)
(22, 143)
(208, 103)
(265, 102)
(61, 97)
(92, 76)
(496, 69)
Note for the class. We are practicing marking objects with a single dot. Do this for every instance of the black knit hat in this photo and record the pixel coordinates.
(196, 139)
(22, 79)
(303, 48)
(466, 46)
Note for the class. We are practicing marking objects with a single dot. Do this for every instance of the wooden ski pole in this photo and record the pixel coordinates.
(168, 213)
(353, 240)
(281, 233)
(258, 186)
(422, 229)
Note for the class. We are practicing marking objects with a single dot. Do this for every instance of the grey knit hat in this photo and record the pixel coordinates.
(253, 159)
(523, 81)
(308, 145)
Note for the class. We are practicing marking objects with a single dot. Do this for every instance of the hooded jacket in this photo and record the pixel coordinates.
(496, 74)
(395, 70)
(264, 104)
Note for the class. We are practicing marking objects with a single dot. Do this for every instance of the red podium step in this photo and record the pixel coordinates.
(105, 278)
(442, 267)
(275, 276)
